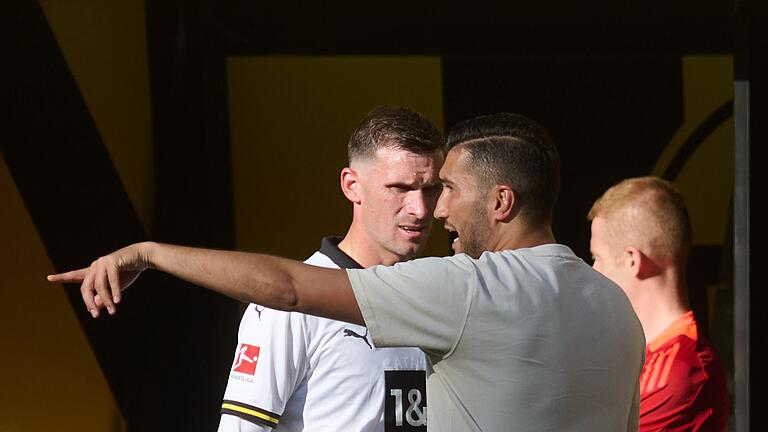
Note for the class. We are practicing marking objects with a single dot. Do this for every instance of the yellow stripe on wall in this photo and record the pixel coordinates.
(706, 180)
(105, 46)
(50, 377)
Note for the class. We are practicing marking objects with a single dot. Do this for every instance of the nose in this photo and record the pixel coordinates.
(416, 204)
(441, 211)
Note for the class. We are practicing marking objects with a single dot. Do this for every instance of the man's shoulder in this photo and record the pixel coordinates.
(542, 255)
(541, 263)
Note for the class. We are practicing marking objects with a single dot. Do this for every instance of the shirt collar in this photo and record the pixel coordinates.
(685, 325)
(329, 247)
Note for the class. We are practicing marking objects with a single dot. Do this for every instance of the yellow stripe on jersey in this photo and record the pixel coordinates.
(230, 406)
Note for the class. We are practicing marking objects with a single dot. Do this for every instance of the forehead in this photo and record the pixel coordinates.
(454, 168)
(393, 160)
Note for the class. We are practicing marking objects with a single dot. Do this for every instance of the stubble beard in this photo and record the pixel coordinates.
(474, 240)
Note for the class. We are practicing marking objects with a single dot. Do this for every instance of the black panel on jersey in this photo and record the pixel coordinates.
(405, 406)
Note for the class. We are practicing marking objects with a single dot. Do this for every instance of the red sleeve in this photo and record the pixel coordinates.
(682, 388)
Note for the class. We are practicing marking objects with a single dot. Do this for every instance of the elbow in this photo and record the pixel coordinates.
(289, 298)
(291, 302)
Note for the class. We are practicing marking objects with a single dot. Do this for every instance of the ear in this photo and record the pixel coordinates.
(640, 264)
(504, 199)
(350, 185)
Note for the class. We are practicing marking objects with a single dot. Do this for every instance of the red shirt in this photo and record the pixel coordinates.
(682, 386)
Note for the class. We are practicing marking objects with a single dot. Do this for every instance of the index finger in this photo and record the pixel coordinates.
(70, 276)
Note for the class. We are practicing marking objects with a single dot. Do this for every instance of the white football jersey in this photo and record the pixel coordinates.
(298, 372)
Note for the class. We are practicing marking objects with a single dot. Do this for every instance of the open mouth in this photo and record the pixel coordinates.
(413, 230)
(452, 233)
(453, 239)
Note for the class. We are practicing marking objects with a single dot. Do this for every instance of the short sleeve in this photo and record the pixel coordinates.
(422, 303)
(269, 364)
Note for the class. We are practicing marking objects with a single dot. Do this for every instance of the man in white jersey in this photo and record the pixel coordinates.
(317, 374)
(522, 334)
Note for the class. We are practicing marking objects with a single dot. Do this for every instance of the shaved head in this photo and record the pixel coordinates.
(647, 213)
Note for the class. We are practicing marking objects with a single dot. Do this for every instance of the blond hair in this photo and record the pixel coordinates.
(647, 213)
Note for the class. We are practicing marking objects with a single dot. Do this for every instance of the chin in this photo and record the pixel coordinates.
(410, 253)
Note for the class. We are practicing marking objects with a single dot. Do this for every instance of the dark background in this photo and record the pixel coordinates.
(603, 76)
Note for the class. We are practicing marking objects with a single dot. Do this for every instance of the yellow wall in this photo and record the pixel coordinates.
(50, 377)
(290, 119)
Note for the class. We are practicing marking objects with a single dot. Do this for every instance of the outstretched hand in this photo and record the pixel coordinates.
(103, 281)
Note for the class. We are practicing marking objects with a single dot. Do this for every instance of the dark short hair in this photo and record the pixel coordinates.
(394, 127)
(513, 150)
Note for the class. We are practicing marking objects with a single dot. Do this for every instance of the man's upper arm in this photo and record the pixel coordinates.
(268, 366)
(325, 292)
(422, 303)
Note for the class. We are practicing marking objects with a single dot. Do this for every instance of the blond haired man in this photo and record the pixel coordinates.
(641, 237)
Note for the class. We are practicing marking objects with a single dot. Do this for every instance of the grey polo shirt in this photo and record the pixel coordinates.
(520, 340)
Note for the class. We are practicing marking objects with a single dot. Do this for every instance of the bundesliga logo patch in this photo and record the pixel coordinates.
(246, 359)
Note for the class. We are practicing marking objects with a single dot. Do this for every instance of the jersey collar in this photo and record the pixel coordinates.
(685, 325)
(329, 247)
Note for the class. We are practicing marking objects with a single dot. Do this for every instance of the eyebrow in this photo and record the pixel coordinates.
(401, 184)
(404, 184)
(412, 185)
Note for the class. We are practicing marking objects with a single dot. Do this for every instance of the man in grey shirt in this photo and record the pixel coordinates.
(522, 334)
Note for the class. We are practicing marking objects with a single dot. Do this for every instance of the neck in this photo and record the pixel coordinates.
(357, 245)
(657, 302)
(519, 235)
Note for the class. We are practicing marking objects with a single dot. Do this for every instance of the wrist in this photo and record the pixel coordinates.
(148, 253)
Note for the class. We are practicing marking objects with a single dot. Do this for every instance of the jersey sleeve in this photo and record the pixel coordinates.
(422, 303)
(683, 395)
(268, 366)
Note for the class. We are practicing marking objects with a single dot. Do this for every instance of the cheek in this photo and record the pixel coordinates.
(613, 274)
(448, 201)
(387, 207)
(395, 203)
(463, 209)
